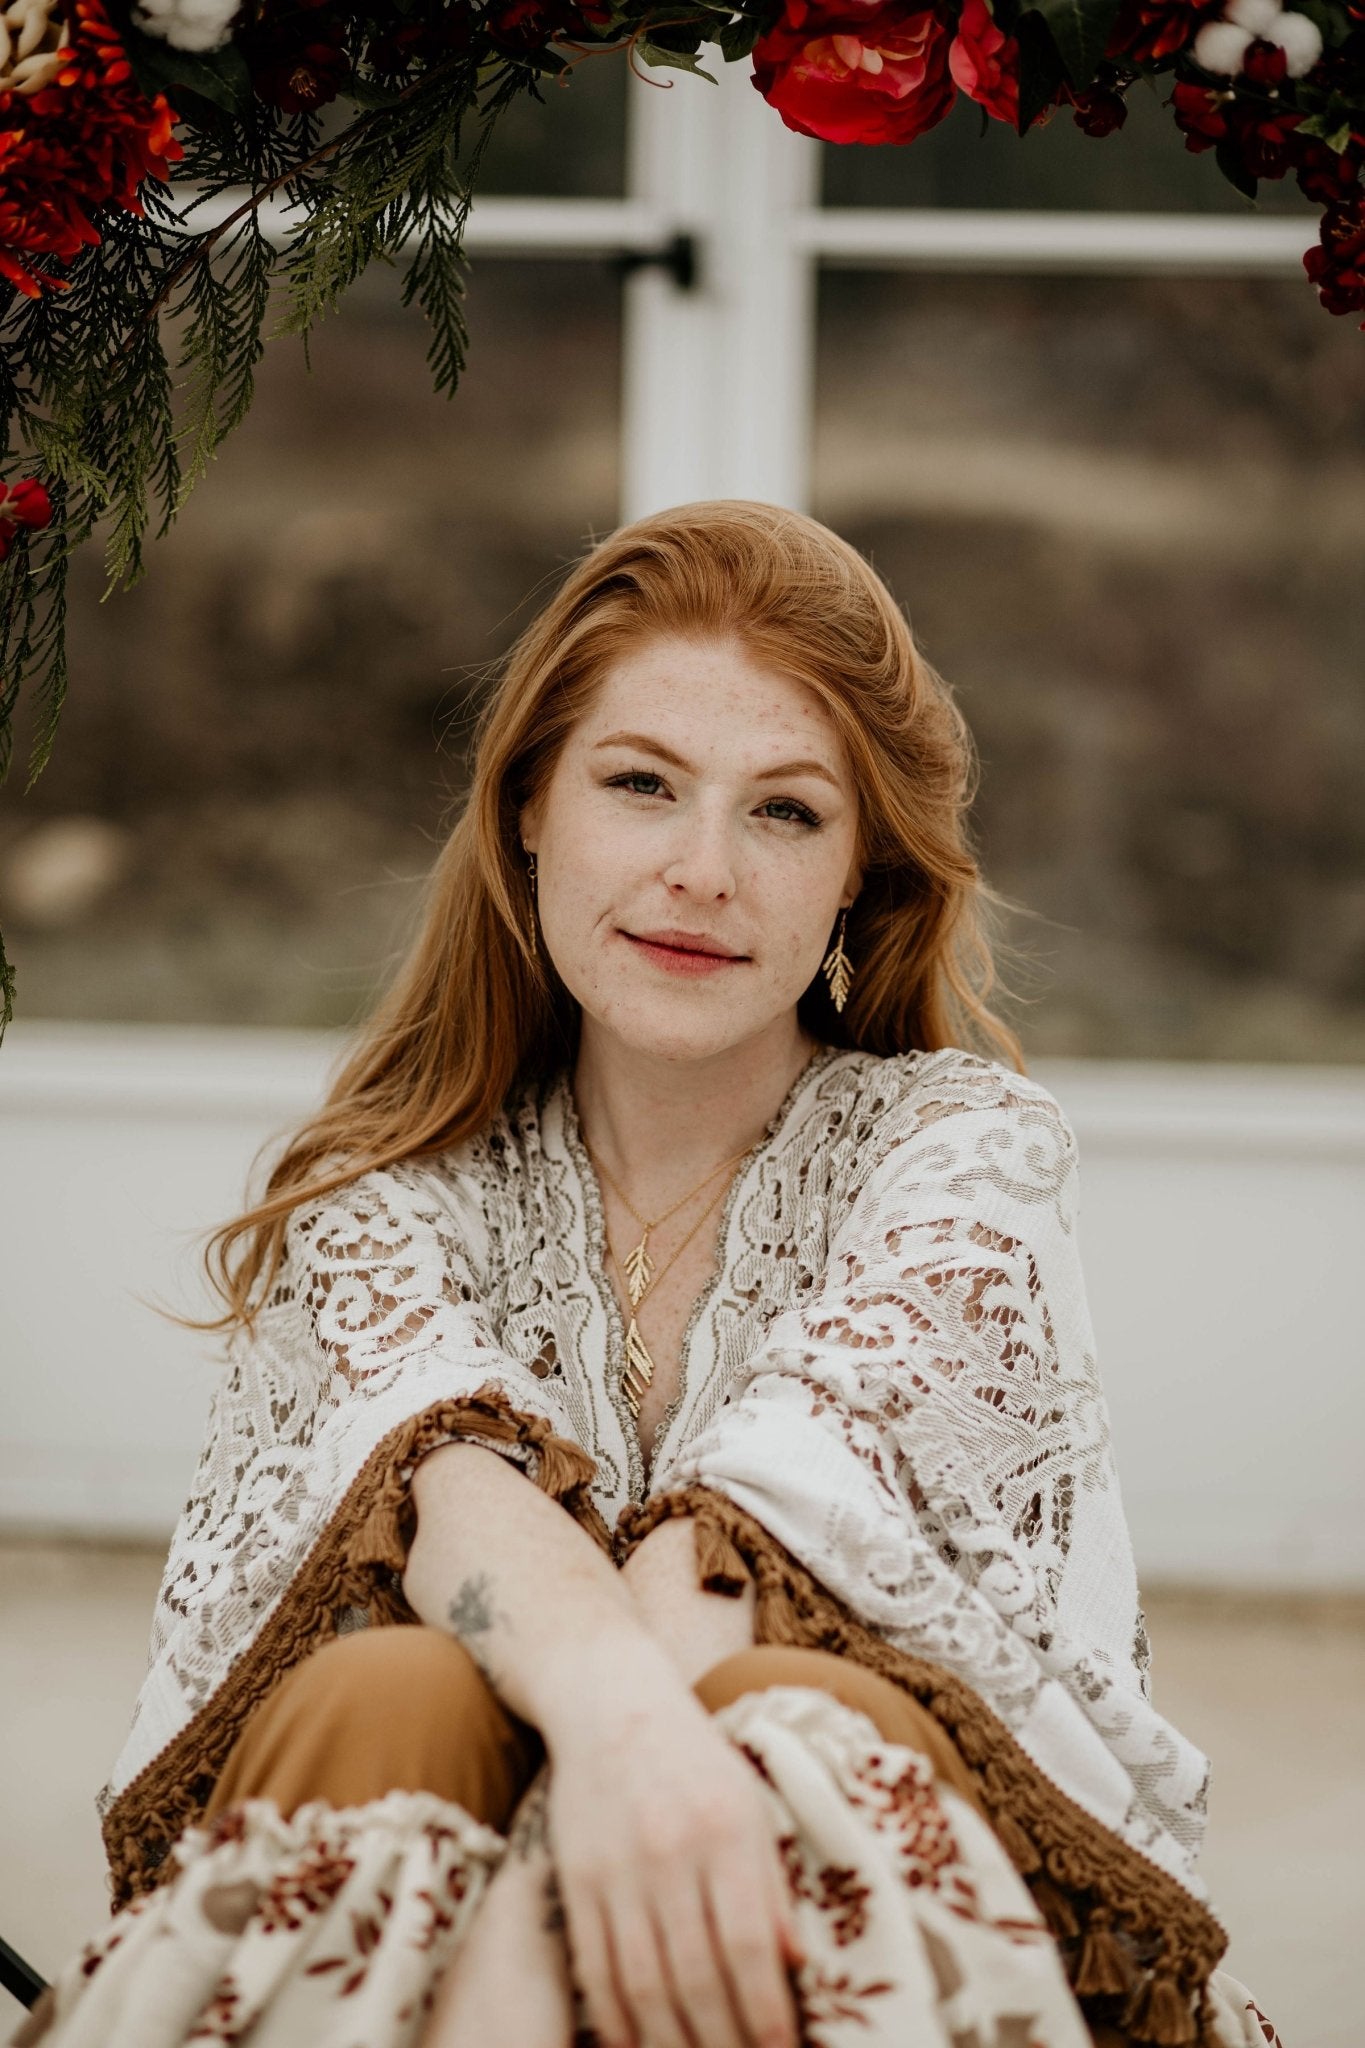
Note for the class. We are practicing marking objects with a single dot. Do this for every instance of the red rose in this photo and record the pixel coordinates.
(856, 71)
(23, 504)
(984, 62)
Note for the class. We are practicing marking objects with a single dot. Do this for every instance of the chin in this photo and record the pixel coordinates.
(672, 1032)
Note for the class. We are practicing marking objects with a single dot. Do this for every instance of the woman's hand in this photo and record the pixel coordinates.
(679, 1919)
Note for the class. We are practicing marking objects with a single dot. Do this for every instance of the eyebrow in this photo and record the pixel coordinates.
(657, 747)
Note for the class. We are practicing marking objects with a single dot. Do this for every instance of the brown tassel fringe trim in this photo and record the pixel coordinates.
(1138, 1949)
(352, 1564)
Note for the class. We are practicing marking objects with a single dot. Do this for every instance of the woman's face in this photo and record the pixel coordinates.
(708, 799)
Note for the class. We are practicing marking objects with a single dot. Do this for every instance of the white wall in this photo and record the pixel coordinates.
(1221, 1224)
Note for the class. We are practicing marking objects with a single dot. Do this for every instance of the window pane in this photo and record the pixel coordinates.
(571, 144)
(264, 736)
(1127, 521)
(1143, 167)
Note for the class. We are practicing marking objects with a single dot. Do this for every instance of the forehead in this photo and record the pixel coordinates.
(704, 696)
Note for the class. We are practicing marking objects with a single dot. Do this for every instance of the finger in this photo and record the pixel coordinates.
(642, 1981)
(701, 1989)
(591, 1966)
(745, 1919)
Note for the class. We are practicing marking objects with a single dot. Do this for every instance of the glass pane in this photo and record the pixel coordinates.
(1143, 167)
(264, 737)
(1126, 520)
(571, 144)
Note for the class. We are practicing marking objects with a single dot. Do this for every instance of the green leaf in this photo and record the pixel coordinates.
(738, 37)
(1080, 29)
(681, 60)
(367, 92)
(1329, 17)
(1041, 69)
(220, 76)
(1328, 126)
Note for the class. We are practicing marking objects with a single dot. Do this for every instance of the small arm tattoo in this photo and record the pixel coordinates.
(471, 1617)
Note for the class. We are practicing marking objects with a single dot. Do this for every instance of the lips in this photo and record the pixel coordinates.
(686, 942)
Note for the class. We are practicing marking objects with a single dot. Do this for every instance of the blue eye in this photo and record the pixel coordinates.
(801, 814)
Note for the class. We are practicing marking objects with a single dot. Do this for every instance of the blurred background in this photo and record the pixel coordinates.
(1076, 400)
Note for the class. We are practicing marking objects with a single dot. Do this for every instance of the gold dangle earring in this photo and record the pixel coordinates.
(531, 871)
(837, 966)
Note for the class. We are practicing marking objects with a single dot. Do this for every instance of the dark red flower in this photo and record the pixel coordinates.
(296, 55)
(399, 40)
(521, 27)
(1327, 175)
(1262, 136)
(1337, 265)
(1264, 63)
(1149, 30)
(23, 504)
(85, 140)
(984, 62)
(1099, 110)
(856, 70)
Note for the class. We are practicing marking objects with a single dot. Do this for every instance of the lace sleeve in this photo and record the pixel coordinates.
(926, 1433)
(374, 1348)
(387, 1279)
(947, 1349)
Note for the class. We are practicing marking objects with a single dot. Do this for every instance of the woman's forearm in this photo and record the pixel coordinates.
(696, 1629)
(543, 1612)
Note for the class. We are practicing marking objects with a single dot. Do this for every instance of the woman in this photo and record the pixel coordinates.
(663, 1429)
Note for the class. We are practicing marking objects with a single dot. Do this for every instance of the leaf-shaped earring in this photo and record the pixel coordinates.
(531, 871)
(837, 966)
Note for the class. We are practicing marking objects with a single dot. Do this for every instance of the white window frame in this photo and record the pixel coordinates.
(718, 377)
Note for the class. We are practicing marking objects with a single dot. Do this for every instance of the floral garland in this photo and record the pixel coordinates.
(99, 98)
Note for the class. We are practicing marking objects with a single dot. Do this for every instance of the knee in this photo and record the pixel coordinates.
(763, 1664)
(374, 1674)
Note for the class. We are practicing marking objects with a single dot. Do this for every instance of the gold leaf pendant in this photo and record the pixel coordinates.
(639, 1367)
(639, 1271)
(838, 967)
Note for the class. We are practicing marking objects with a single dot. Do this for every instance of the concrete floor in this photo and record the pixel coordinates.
(1273, 1690)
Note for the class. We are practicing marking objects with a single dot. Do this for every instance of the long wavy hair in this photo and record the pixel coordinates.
(473, 1009)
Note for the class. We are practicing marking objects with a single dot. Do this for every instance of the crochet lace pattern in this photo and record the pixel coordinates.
(890, 1385)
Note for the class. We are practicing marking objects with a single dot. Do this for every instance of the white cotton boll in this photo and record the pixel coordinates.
(1260, 16)
(185, 27)
(1301, 41)
(1220, 47)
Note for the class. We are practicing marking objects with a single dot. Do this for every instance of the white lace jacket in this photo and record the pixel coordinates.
(892, 1370)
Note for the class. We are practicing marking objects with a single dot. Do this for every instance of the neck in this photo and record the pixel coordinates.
(659, 1124)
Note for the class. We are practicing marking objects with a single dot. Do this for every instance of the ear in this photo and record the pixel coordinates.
(853, 883)
(528, 826)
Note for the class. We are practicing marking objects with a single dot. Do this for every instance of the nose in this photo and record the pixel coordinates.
(701, 861)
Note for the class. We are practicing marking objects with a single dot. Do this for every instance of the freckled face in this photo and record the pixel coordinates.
(686, 829)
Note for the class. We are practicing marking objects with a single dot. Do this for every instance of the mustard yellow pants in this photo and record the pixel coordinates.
(406, 1708)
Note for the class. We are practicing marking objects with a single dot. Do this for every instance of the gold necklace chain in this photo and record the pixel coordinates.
(639, 1367)
(639, 1267)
